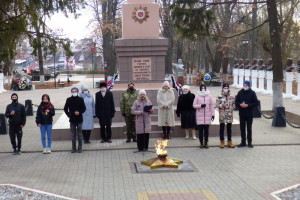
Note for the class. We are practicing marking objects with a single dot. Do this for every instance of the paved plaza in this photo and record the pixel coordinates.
(104, 171)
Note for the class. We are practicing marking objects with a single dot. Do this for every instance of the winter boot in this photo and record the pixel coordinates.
(187, 133)
(194, 134)
(201, 145)
(206, 145)
(88, 135)
(223, 143)
(243, 144)
(134, 138)
(168, 136)
(164, 136)
(128, 140)
(230, 145)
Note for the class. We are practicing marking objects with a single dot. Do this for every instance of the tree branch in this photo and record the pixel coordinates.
(232, 36)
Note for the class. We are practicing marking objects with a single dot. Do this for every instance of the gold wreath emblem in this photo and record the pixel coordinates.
(140, 14)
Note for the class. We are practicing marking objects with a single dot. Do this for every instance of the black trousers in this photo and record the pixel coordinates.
(222, 127)
(246, 121)
(142, 141)
(105, 132)
(86, 135)
(204, 128)
(166, 129)
(15, 131)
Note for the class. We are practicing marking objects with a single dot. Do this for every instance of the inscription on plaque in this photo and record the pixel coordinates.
(141, 68)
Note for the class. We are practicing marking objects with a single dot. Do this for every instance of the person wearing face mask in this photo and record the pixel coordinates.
(246, 100)
(74, 107)
(44, 118)
(127, 99)
(105, 111)
(226, 104)
(205, 113)
(15, 112)
(187, 112)
(88, 115)
(165, 101)
(143, 120)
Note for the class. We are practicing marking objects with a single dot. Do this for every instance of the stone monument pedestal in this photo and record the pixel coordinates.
(235, 77)
(241, 78)
(254, 75)
(1, 83)
(141, 60)
(261, 81)
(269, 78)
(289, 77)
(247, 74)
(297, 98)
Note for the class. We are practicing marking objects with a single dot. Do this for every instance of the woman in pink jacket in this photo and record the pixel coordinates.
(143, 120)
(205, 113)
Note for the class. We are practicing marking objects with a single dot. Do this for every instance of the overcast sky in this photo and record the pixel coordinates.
(72, 28)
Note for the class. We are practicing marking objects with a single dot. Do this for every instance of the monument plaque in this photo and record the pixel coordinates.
(141, 68)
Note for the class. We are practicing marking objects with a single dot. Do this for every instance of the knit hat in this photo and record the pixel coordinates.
(185, 87)
(84, 87)
(74, 88)
(142, 92)
(202, 86)
(14, 94)
(166, 83)
(225, 85)
(102, 84)
(247, 82)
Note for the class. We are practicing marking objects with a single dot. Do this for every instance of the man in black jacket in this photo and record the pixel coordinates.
(74, 108)
(105, 111)
(246, 100)
(15, 112)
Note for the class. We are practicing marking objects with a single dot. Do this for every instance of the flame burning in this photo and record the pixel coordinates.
(160, 147)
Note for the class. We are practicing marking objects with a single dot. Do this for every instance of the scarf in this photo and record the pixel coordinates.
(46, 106)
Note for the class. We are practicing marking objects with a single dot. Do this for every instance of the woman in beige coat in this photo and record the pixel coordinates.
(165, 101)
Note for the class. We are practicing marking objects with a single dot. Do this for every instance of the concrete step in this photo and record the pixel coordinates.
(61, 129)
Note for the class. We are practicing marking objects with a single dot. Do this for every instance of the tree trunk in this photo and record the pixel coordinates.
(224, 69)
(254, 31)
(275, 35)
(40, 56)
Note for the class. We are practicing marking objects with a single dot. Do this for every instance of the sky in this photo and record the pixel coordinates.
(72, 28)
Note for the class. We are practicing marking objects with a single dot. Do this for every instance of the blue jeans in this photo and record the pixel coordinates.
(46, 128)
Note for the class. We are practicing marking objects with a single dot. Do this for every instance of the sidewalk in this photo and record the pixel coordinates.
(103, 171)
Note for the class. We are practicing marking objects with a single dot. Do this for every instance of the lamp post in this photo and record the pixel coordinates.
(245, 43)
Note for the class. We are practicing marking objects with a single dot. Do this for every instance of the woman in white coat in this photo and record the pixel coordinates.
(165, 101)
(88, 115)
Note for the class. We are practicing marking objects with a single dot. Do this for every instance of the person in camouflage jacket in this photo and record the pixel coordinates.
(226, 104)
(127, 99)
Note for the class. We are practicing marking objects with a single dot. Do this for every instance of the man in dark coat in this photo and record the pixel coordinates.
(74, 108)
(246, 100)
(105, 111)
(15, 112)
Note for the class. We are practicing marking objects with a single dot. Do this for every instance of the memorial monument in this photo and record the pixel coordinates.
(241, 73)
(247, 69)
(235, 72)
(261, 75)
(289, 77)
(254, 74)
(141, 52)
(297, 98)
(269, 76)
(2, 78)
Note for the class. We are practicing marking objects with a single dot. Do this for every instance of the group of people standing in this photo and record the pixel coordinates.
(196, 113)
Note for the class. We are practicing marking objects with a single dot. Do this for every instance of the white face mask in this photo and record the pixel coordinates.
(85, 92)
(74, 94)
(246, 88)
(203, 90)
(103, 89)
(225, 90)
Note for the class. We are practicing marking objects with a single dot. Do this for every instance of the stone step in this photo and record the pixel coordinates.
(61, 129)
